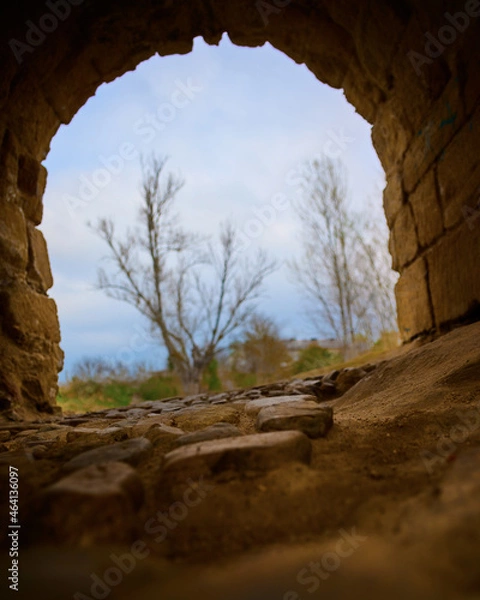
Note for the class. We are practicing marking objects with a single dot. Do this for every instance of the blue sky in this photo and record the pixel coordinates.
(237, 123)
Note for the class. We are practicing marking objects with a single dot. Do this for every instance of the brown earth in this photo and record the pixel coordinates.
(400, 468)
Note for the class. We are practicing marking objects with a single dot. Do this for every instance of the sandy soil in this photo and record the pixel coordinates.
(399, 472)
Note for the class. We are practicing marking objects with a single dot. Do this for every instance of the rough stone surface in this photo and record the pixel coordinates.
(307, 417)
(347, 378)
(462, 287)
(403, 240)
(393, 198)
(93, 505)
(154, 426)
(131, 452)
(214, 432)
(258, 452)
(255, 406)
(414, 316)
(38, 271)
(106, 435)
(426, 211)
(458, 173)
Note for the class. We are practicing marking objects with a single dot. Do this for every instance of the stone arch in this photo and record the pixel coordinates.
(424, 111)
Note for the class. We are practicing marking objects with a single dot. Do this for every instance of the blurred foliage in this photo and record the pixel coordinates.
(314, 357)
(244, 380)
(97, 384)
(211, 378)
(157, 387)
(260, 355)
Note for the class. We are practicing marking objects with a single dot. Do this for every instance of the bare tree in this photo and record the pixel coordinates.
(194, 294)
(260, 351)
(343, 268)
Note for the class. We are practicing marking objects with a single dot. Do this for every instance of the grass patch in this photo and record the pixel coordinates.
(80, 396)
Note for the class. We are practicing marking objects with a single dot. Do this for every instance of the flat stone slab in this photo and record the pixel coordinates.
(87, 506)
(130, 451)
(217, 431)
(255, 406)
(307, 417)
(102, 435)
(263, 452)
(156, 424)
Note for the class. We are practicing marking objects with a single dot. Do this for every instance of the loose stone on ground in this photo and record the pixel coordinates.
(313, 420)
(214, 432)
(132, 452)
(253, 407)
(93, 505)
(257, 452)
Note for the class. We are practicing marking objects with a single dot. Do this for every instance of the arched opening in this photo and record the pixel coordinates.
(240, 138)
(423, 113)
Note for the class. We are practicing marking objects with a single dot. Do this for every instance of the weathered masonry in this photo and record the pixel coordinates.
(409, 67)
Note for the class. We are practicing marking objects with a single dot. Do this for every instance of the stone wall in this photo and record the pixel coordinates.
(424, 111)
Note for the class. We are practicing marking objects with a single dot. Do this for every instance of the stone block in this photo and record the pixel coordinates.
(377, 35)
(253, 407)
(39, 272)
(91, 506)
(131, 452)
(416, 89)
(32, 179)
(258, 452)
(453, 267)
(437, 129)
(13, 239)
(92, 436)
(215, 432)
(361, 92)
(391, 136)
(459, 172)
(413, 302)
(426, 210)
(155, 426)
(309, 418)
(404, 244)
(28, 316)
(8, 163)
(393, 197)
(327, 49)
(28, 175)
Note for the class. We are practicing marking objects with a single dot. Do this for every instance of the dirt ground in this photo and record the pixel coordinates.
(388, 507)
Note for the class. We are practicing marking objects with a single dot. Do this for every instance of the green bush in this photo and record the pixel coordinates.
(211, 378)
(157, 387)
(120, 392)
(245, 380)
(84, 388)
(313, 357)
